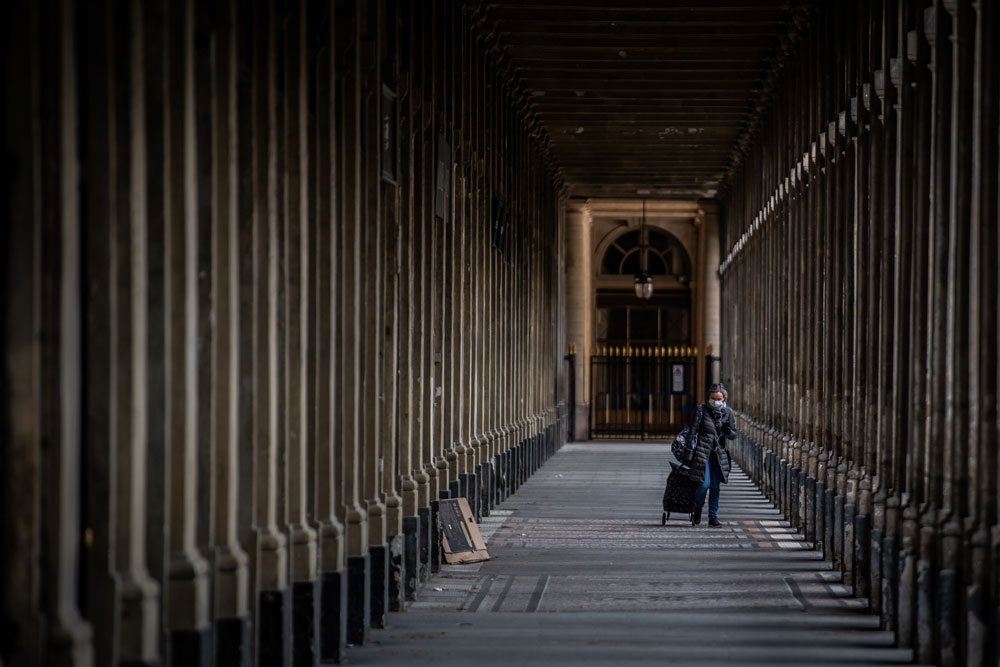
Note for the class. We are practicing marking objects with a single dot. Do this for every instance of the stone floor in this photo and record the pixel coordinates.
(582, 573)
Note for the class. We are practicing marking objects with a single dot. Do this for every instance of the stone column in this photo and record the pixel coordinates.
(392, 289)
(138, 617)
(884, 221)
(408, 312)
(333, 589)
(230, 592)
(45, 357)
(271, 633)
(698, 307)
(115, 390)
(492, 350)
(983, 275)
(932, 646)
(422, 318)
(302, 536)
(427, 477)
(19, 264)
(459, 97)
(559, 305)
(957, 427)
(186, 594)
(711, 290)
(495, 292)
(372, 437)
(348, 44)
(579, 305)
(451, 398)
(481, 249)
(900, 75)
(393, 393)
(464, 226)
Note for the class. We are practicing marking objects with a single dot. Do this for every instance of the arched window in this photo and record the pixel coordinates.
(667, 256)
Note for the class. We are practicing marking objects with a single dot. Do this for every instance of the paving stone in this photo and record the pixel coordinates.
(583, 573)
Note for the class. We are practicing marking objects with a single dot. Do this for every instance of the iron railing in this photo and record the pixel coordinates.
(641, 393)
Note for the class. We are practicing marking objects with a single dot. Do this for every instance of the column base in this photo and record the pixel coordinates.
(829, 507)
(397, 572)
(191, 647)
(890, 559)
(483, 490)
(358, 599)
(819, 536)
(514, 463)
(875, 572)
(503, 477)
(847, 544)
(274, 628)
(411, 556)
(333, 617)
(925, 634)
(536, 447)
(526, 449)
(861, 563)
(838, 534)
(305, 622)
(470, 492)
(810, 509)
(379, 565)
(232, 642)
(503, 481)
(424, 571)
(435, 538)
(949, 607)
(523, 460)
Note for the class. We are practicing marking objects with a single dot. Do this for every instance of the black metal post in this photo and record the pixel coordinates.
(571, 358)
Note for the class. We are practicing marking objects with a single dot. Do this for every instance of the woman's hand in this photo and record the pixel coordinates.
(729, 424)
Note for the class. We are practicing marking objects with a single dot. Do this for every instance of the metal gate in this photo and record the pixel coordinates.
(640, 393)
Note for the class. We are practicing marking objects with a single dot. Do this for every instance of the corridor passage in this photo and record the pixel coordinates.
(279, 277)
(582, 572)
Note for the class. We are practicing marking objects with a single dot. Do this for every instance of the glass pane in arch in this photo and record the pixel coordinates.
(656, 265)
(660, 240)
(630, 265)
(612, 260)
(628, 240)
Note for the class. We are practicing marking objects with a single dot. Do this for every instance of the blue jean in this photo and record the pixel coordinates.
(713, 481)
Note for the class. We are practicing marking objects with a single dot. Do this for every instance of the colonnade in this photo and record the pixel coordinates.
(860, 309)
(279, 276)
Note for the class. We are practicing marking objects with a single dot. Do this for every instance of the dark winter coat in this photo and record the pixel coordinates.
(712, 435)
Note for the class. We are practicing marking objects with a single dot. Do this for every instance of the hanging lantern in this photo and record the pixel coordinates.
(643, 285)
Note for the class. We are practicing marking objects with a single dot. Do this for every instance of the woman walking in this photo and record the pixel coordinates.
(714, 423)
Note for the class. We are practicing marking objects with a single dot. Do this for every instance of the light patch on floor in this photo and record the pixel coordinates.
(793, 545)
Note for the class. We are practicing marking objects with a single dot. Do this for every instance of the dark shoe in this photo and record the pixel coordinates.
(696, 517)
(713, 522)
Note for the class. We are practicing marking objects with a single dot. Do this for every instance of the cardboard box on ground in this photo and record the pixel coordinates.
(461, 541)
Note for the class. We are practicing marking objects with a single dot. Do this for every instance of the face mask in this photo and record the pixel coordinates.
(716, 404)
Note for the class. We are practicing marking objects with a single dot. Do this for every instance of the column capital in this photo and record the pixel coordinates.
(708, 207)
(578, 206)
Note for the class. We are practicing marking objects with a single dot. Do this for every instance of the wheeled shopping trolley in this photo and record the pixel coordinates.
(678, 496)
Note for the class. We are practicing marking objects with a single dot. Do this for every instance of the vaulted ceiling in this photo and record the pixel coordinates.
(640, 97)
